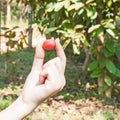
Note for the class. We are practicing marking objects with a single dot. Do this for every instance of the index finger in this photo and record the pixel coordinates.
(38, 58)
(60, 52)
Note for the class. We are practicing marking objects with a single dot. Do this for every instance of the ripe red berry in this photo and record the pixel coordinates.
(49, 44)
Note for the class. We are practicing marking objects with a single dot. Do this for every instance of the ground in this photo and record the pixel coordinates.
(89, 109)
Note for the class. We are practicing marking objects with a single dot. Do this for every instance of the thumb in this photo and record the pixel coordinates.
(38, 58)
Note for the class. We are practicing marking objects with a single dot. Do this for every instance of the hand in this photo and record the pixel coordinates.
(46, 79)
(43, 81)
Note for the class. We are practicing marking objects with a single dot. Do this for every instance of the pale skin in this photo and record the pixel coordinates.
(44, 81)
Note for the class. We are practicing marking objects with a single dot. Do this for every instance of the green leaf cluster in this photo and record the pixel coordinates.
(79, 23)
(12, 40)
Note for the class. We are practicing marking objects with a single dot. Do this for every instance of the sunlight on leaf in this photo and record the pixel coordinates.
(94, 27)
(111, 32)
(108, 80)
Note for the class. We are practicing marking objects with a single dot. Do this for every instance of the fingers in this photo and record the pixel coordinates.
(49, 65)
(38, 58)
(60, 53)
(53, 79)
(52, 61)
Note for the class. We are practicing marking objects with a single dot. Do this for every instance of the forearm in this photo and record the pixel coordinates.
(16, 111)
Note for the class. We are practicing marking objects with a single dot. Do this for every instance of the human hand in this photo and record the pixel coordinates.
(46, 79)
(43, 81)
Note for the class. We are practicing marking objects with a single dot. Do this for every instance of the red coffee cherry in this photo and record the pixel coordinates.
(49, 44)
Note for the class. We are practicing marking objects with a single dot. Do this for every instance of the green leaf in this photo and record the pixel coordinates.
(59, 6)
(21, 45)
(91, 12)
(76, 49)
(10, 35)
(95, 74)
(110, 32)
(110, 66)
(64, 33)
(99, 32)
(109, 3)
(78, 26)
(66, 4)
(102, 62)
(117, 72)
(82, 38)
(12, 44)
(79, 5)
(118, 22)
(74, 1)
(117, 53)
(108, 80)
(76, 46)
(117, 86)
(76, 6)
(93, 65)
(15, 27)
(49, 7)
(43, 23)
(4, 28)
(66, 43)
(102, 89)
(91, 29)
(109, 25)
(115, 0)
(105, 21)
(85, 42)
(94, 16)
(48, 30)
(89, 1)
(110, 46)
(80, 11)
(107, 53)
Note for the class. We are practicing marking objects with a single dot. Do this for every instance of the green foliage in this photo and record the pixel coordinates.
(79, 22)
(12, 39)
(4, 103)
(15, 66)
(108, 115)
(86, 25)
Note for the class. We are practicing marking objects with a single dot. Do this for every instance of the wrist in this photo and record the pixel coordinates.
(24, 108)
(17, 110)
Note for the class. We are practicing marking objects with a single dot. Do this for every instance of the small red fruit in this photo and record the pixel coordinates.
(49, 44)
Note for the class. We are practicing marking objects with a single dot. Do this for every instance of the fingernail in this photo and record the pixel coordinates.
(58, 39)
